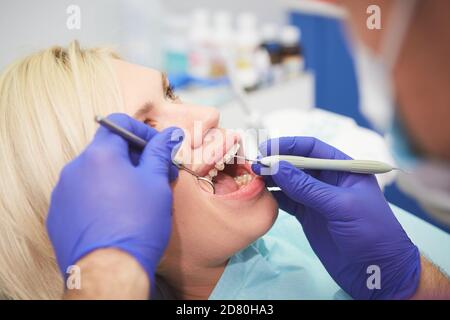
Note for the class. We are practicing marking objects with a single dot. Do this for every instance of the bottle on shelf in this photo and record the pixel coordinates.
(175, 45)
(270, 43)
(199, 42)
(247, 42)
(222, 42)
(292, 58)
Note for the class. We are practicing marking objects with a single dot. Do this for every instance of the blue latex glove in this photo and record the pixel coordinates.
(104, 200)
(347, 221)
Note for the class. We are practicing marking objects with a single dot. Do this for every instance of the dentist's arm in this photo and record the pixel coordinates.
(110, 274)
(433, 283)
(110, 213)
(351, 227)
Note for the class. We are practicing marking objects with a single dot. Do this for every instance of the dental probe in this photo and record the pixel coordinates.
(127, 135)
(355, 166)
(141, 143)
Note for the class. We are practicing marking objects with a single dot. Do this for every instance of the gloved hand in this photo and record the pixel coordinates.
(347, 221)
(104, 200)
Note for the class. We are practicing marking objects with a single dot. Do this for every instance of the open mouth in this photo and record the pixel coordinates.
(229, 174)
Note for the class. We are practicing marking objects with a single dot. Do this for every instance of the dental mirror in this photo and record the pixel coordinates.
(204, 183)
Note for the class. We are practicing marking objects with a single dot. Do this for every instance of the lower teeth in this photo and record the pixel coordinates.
(243, 179)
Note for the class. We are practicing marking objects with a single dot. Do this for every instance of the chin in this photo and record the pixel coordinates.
(255, 219)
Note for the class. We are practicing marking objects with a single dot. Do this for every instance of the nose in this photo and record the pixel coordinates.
(195, 120)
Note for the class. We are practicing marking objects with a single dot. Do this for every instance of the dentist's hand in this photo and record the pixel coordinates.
(112, 196)
(347, 221)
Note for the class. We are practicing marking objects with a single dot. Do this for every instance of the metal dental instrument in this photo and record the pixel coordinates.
(355, 166)
(140, 143)
(206, 184)
(127, 135)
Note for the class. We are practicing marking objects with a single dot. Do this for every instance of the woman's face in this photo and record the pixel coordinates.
(207, 228)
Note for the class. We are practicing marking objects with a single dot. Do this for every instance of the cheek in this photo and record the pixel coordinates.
(187, 197)
(168, 115)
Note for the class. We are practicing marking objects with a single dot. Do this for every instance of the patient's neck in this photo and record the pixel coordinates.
(193, 281)
(200, 284)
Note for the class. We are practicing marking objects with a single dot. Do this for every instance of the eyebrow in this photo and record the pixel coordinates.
(143, 110)
(149, 105)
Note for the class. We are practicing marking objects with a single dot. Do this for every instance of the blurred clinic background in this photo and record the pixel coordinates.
(283, 65)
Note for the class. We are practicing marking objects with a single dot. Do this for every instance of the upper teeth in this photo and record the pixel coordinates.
(227, 158)
(220, 166)
(212, 173)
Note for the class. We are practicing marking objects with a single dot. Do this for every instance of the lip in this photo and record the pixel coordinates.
(248, 192)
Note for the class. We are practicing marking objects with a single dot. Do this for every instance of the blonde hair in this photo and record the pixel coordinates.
(47, 105)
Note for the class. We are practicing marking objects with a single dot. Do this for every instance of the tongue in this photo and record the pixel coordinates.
(224, 183)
